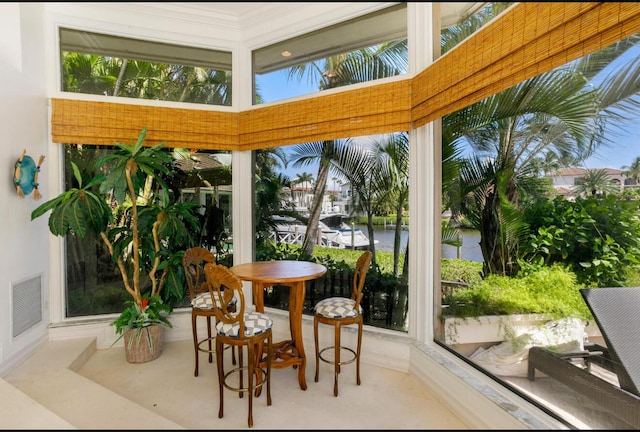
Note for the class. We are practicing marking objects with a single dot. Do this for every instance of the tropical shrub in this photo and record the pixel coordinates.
(597, 237)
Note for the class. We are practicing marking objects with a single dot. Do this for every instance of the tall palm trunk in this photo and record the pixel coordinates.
(372, 239)
(397, 237)
(123, 69)
(491, 235)
(311, 237)
(501, 225)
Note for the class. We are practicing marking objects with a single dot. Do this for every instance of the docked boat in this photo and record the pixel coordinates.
(334, 232)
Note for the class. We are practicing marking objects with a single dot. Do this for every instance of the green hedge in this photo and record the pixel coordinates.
(549, 290)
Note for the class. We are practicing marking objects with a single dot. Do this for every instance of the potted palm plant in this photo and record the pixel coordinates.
(129, 206)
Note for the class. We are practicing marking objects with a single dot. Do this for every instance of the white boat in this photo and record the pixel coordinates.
(334, 232)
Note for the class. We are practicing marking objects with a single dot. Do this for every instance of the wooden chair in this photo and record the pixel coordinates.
(338, 312)
(193, 263)
(252, 330)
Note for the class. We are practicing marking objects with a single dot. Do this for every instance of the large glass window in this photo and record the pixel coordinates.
(93, 282)
(94, 63)
(525, 234)
(461, 20)
(367, 48)
(362, 204)
(350, 181)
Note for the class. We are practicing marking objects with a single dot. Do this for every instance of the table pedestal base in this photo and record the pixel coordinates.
(286, 355)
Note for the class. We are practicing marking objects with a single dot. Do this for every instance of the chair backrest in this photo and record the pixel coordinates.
(615, 311)
(359, 276)
(193, 262)
(226, 286)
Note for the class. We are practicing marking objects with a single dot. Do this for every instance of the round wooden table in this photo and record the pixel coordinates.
(289, 273)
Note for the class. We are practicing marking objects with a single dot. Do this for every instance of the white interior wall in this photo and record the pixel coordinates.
(23, 125)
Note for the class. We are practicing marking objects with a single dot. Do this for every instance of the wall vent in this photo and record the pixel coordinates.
(27, 304)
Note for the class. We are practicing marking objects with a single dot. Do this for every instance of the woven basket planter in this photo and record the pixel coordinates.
(136, 345)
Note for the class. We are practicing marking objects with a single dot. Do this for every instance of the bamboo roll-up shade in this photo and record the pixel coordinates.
(529, 39)
(368, 110)
(104, 123)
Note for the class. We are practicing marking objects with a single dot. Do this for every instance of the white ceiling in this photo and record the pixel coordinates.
(260, 21)
(451, 12)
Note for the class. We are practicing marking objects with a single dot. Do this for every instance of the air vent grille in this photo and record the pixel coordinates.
(27, 304)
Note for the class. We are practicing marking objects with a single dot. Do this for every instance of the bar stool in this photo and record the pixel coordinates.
(193, 262)
(237, 328)
(338, 312)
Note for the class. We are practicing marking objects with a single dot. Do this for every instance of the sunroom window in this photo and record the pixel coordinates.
(108, 65)
(93, 287)
(528, 240)
(312, 62)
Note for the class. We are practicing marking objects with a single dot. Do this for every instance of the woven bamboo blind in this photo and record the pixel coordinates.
(85, 122)
(365, 111)
(528, 39)
(531, 38)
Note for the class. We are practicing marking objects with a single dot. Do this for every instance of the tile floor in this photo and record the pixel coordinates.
(164, 394)
(77, 386)
(385, 399)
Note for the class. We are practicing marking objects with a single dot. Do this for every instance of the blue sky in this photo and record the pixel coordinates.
(622, 152)
(625, 147)
(275, 86)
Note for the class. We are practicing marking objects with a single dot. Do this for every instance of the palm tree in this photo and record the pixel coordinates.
(358, 164)
(377, 170)
(550, 161)
(452, 36)
(366, 64)
(304, 155)
(594, 181)
(270, 160)
(270, 201)
(270, 198)
(633, 170)
(86, 73)
(392, 180)
(392, 172)
(95, 74)
(560, 111)
(557, 110)
(305, 179)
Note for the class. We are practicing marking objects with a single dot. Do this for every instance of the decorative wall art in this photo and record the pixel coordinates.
(25, 177)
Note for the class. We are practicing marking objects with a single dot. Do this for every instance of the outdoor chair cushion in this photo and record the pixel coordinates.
(337, 307)
(254, 323)
(203, 301)
(510, 358)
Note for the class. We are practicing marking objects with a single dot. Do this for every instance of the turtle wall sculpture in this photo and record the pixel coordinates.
(25, 177)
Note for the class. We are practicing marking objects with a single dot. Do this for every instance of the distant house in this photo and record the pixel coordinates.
(301, 196)
(565, 180)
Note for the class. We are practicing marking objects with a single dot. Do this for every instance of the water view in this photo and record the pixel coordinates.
(470, 249)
